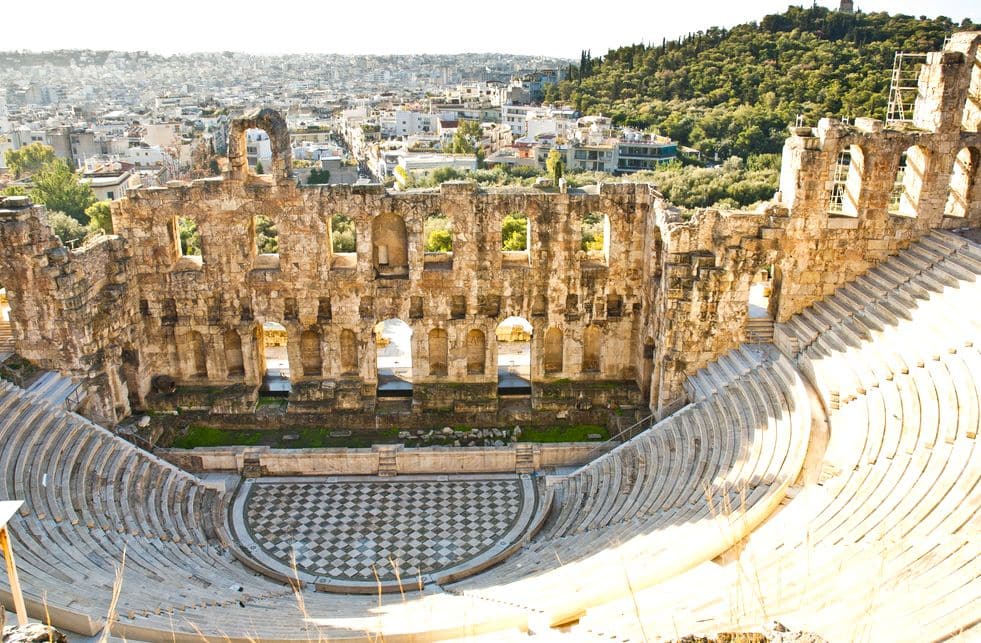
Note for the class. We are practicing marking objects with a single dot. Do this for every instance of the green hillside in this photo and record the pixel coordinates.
(733, 92)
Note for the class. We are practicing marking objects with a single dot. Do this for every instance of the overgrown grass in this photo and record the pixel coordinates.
(198, 435)
(563, 433)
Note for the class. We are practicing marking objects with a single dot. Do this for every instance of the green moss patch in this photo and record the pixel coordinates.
(564, 433)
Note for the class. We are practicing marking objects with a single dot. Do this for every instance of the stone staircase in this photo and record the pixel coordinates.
(524, 458)
(387, 465)
(759, 330)
(55, 388)
(6, 337)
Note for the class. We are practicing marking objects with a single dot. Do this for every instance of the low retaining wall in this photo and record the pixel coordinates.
(267, 461)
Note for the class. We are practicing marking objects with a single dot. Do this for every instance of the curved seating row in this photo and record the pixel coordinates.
(95, 504)
(680, 493)
(884, 545)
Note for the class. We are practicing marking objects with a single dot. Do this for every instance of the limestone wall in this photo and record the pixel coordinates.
(669, 294)
(193, 303)
(70, 310)
(341, 462)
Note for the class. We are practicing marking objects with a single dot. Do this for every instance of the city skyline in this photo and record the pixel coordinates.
(436, 28)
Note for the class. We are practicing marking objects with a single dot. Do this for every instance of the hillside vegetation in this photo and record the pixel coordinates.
(733, 92)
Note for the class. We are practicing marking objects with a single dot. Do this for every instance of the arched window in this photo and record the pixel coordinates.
(437, 232)
(476, 352)
(515, 238)
(438, 351)
(349, 352)
(553, 350)
(846, 182)
(908, 185)
(310, 357)
(591, 349)
(265, 236)
(197, 361)
(595, 238)
(188, 237)
(259, 150)
(234, 361)
(391, 255)
(343, 241)
(961, 182)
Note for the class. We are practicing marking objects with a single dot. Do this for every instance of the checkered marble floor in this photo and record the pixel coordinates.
(351, 531)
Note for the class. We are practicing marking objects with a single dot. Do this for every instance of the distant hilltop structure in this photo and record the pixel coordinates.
(846, 6)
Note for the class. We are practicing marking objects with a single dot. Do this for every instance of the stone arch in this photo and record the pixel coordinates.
(343, 239)
(349, 352)
(187, 237)
(197, 360)
(234, 359)
(595, 235)
(437, 241)
(591, 357)
(438, 352)
(516, 238)
(553, 350)
(265, 242)
(514, 355)
(393, 357)
(277, 370)
(390, 245)
(273, 123)
(311, 360)
(961, 182)
(911, 172)
(846, 182)
(476, 352)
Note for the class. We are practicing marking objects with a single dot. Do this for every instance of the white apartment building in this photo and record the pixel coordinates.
(258, 147)
(410, 123)
(422, 165)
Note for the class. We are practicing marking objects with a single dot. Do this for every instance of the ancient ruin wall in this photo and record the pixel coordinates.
(307, 289)
(822, 249)
(70, 310)
(672, 295)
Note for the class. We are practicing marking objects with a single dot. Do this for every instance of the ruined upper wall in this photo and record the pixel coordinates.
(667, 297)
(70, 310)
(892, 183)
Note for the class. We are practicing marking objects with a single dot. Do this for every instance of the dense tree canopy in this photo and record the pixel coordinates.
(28, 159)
(67, 228)
(57, 186)
(318, 177)
(734, 91)
(100, 217)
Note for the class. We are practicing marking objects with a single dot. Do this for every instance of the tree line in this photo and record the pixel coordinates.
(734, 91)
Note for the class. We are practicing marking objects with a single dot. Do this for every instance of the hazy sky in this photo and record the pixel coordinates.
(549, 27)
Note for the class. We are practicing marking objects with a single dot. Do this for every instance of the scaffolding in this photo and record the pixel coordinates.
(903, 86)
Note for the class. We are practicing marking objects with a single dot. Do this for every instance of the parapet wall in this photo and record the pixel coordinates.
(667, 295)
(368, 462)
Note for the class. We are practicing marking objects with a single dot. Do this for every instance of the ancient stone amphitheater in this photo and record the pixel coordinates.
(814, 464)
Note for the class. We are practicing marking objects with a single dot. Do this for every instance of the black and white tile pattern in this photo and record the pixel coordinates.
(351, 531)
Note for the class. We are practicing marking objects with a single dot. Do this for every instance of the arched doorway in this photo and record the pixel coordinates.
(760, 289)
(6, 332)
(275, 359)
(514, 356)
(393, 346)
